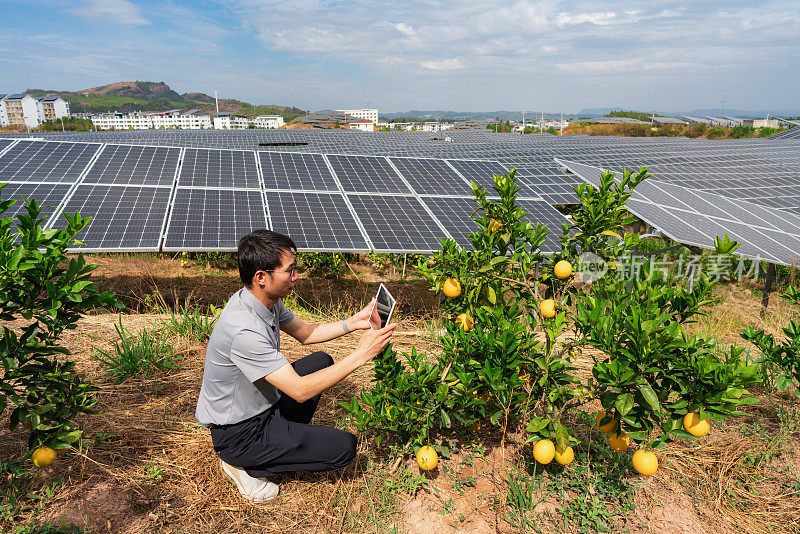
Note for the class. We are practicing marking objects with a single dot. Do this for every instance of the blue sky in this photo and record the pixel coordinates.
(468, 56)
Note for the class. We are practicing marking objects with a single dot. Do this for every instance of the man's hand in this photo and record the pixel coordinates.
(360, 321)
(372, 342)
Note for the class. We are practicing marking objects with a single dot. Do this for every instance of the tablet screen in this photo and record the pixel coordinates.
(384, 306)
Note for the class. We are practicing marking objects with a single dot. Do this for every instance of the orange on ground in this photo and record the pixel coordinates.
(451, 288)
(544, 451)
(547, 308)
(619, 442)
(695, 426)
(565, 457)
(43, 456)
(563, 269)
(464, 321)
(645, 462)
(608, 427)
(427, 458)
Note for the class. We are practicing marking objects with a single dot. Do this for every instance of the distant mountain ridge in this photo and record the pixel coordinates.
(433, 115)
(157, 96)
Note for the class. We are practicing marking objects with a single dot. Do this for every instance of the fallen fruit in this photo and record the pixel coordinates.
(451, 288)
(544, 451)
(427, 458)
(608, 427)
(548, 308)
(43, 456)
(619, 442)
(464, 322)
(696, 426)
(565, 457)
(563, 269)
(645, 462)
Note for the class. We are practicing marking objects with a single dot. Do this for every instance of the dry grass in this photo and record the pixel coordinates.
(146, 466)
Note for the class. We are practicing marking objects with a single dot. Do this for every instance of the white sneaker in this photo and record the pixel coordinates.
(253, 489)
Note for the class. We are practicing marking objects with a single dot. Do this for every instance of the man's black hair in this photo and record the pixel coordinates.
(261, 250)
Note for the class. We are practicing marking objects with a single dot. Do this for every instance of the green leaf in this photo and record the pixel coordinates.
(650, 397)
(624, 404)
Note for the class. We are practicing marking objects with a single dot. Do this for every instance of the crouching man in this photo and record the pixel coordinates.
(257, 405)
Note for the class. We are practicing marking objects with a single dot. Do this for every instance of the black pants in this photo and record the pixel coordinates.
(281, 439)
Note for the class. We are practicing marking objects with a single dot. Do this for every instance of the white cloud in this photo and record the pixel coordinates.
(112, 11)
(598, 19)
(405, 29)
(443, 65)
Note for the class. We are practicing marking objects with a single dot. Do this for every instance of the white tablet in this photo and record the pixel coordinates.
(383, 309)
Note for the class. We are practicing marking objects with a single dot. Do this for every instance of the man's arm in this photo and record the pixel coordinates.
(307, 333)
(302, 388)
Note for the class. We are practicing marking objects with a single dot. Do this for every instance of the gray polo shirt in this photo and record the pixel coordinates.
(244, 347)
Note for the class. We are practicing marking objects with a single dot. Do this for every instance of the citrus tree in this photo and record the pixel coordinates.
(780, 360)
(655, 381)
(501, 359)
(44, 293)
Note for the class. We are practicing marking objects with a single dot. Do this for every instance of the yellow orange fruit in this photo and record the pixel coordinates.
(464, 322)
(427, 458)
(544, 451)
(548, 308)
(451, 288)
(619, 442)
(494, 225)
(565, 457)
(645, 462)
(608, 427)
(43, 456)
(696, 426)
(563, 269)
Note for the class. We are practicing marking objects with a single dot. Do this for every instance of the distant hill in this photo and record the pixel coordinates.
(157, 96)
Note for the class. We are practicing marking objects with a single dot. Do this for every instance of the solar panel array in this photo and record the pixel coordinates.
(319, 184)
(696, 218)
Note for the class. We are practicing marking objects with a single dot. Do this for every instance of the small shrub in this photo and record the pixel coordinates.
(48, 293)
(144, 354)
(323, 264)
(190, 322)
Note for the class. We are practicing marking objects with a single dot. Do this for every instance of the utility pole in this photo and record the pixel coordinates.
(561, 125)
(216, 100)
(723, 105)
(541, 124)
(62, 124)
(524, 111)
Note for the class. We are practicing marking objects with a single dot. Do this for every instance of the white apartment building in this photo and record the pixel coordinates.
(268, 121)
(52, 108)
(229, 121)
(436, 126)
(362, 124)
(20, 111)
(367, 114)
(160, 120)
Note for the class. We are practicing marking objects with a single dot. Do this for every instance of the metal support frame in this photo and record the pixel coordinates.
(770, 277)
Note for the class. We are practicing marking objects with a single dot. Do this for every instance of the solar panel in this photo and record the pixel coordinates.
(366, 174)
(39, 161)
(431, 176)
(213, 219)
(397, 223)
(457, 216)
(134, 165)
(480, 172)
(123, 218)
(316, 221)
(49, 197)
(697, 218)
(297, 172)
(219, 168)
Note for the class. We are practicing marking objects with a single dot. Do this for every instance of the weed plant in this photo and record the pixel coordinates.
(190, 322)
(144, 354)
